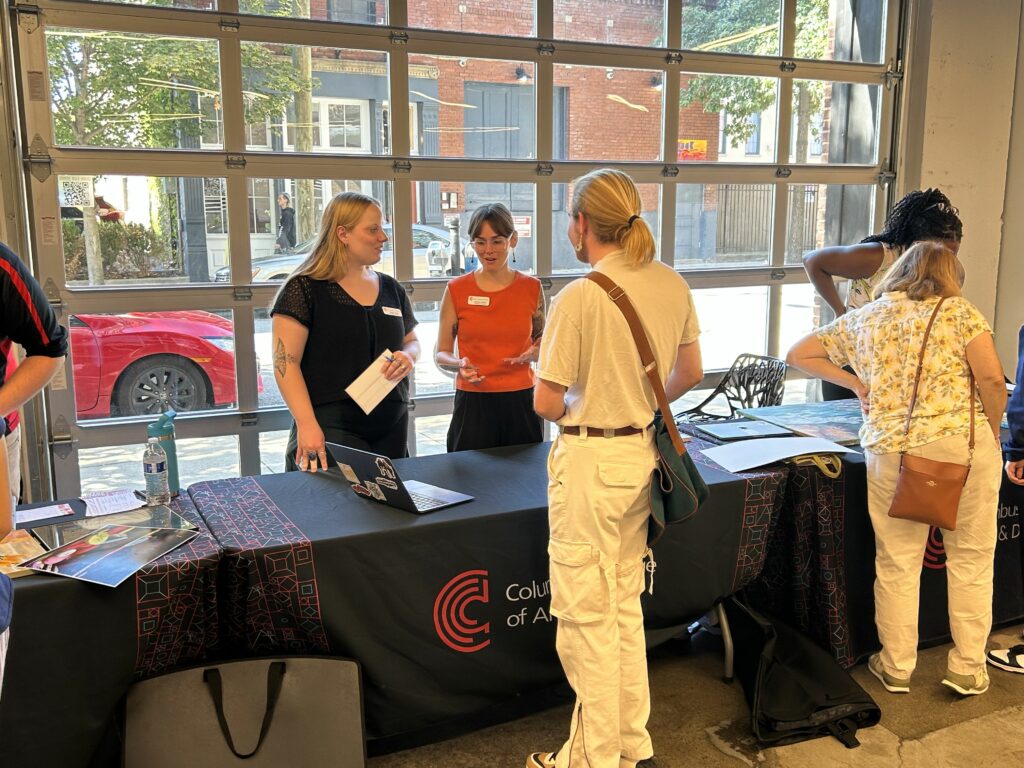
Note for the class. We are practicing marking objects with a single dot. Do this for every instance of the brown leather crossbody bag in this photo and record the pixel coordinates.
(928, 491)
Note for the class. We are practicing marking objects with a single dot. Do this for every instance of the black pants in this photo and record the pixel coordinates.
(830, 391)
(384, 431)
(493, 419)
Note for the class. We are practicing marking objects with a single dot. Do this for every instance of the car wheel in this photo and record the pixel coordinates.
(152, 385)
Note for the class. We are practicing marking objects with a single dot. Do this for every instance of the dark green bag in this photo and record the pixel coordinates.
(677, 489)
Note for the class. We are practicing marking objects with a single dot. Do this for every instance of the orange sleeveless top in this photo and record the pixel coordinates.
(494, 326)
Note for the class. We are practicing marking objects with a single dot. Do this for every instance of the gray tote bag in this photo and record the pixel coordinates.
(292, 711)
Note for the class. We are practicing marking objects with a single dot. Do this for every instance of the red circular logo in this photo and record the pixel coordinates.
(454, 626)
(935, 551)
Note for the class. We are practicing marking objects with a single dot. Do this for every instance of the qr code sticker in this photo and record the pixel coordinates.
(76, 191)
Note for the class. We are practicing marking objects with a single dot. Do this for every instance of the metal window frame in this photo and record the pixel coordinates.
(236, 164)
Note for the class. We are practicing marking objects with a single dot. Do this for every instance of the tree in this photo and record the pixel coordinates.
(751, 27)
(123, 89)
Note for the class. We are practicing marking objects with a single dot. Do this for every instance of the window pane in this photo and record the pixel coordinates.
(800, 314)
(430, 380)
(284, 223)
(142, 230)
(120, 466)
(563, 257)
(605, 113)
(727, 118)
(432, 435)
(125, 89)
(721, 311)
(339, 108)
(827, 214)
(611, 21)
(141, 363)
(835, 122)
(440, 206)
(348, 11)
(734, 26)
(841, 30)
(723, 225)
(479, 108)
(272, 448)
(514, 18)
(192, 5)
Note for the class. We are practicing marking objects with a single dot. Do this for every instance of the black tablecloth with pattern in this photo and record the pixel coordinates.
(819, 571)
(76, 647)
(447, 612)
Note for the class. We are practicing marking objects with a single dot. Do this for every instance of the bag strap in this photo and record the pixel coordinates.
(845, 730)
(275, 675)
(643, 345)
(917, 381)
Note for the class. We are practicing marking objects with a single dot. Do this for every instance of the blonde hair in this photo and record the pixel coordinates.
(611, 203)
(329, 257)
(926, 269)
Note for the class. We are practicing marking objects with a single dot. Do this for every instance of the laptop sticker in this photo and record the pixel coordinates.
(348, 472)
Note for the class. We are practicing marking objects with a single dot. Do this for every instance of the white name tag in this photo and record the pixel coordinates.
(479, 301)
(393, 311)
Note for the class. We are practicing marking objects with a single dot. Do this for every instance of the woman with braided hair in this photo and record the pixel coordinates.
(920, 215)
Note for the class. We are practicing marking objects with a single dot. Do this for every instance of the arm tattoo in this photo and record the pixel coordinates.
(537, 320)
(282, 358)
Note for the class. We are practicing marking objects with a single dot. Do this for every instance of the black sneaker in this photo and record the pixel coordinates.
(650, 762)
(1009, 659)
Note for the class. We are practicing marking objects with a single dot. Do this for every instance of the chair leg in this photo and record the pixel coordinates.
(723, 622)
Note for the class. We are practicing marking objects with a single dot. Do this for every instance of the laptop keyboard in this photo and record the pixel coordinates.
(422, 501)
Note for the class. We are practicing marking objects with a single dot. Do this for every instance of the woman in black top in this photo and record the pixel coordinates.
(332, 319)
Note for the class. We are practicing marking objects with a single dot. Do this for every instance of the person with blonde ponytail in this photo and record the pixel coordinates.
(591, 383)
(332, 319)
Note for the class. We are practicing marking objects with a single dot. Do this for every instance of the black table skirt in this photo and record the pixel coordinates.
(76, 647)
(446, 612)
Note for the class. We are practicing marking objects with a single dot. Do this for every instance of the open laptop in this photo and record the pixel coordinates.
(742, 430)
(375, 477)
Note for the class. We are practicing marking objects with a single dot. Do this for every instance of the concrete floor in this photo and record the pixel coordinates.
(698, 720)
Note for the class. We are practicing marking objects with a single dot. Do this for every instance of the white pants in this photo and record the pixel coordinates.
(597, 510)
(899, 554)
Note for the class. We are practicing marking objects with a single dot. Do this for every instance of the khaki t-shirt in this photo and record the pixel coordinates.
(588, 348)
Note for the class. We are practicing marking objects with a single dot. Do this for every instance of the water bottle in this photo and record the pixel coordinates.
(163, 429)
(154, 467)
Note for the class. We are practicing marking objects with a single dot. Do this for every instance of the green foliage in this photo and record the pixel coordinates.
(749, 27)
(129, 251)
(123, 89)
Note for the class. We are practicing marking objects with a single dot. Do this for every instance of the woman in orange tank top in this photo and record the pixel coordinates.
(494, 317)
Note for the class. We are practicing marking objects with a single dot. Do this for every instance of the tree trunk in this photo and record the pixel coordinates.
(93, 254)
(305, 205)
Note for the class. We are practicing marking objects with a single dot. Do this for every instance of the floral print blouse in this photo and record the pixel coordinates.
(882, 341)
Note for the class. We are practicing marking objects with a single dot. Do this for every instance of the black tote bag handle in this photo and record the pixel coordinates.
(275, 676)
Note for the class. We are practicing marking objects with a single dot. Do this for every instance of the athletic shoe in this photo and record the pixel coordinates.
(650, 762)
(1010, 659)
(967, 685)
(891, 683)
(541, 760)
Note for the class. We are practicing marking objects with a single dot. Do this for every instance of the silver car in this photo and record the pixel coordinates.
(431, 255)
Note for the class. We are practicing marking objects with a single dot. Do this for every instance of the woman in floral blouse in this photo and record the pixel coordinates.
(881, 342)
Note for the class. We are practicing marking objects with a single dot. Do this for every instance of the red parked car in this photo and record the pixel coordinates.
(141, 363)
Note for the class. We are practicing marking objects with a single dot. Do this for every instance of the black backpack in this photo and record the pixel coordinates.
(796, 690)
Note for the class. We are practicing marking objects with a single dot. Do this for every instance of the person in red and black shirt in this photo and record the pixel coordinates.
(26, 319)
